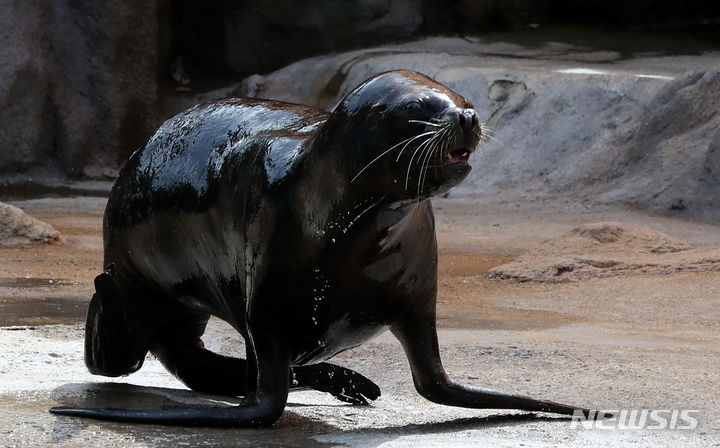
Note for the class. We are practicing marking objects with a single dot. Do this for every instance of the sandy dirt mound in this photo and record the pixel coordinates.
(607, 249)
(17, 227)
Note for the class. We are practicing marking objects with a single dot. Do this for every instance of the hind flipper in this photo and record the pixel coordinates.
(267, 383)
(115, 342)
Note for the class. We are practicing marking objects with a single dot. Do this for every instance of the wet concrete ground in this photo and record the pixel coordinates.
(648, 342)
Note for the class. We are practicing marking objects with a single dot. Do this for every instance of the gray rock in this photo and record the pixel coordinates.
(17, 227)
(671, 159)
(80, 80)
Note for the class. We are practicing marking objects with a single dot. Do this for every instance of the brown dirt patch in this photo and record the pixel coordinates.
(52, 283)
(607, 249)
(467, 298)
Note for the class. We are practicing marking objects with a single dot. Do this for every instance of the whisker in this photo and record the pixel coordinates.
(424, 167)
(447, 142)
(486, 134)
(485, 130)
(427, 123)
(422, 159)
(420, 146)
(438, 142)
(406, 145)
(490, 137)
(408, 140)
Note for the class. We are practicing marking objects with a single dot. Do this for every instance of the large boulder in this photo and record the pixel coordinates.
(671, 158)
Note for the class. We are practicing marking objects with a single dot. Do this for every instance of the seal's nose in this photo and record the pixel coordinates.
(468, 120)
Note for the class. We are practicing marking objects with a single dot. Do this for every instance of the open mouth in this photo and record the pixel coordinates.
(460, 155)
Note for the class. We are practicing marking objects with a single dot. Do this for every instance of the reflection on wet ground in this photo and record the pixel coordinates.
(30, 190)
(42, 310)
(39, 301)
(31, 282)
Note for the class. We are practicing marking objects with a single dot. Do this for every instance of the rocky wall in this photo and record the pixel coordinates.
(84, 83)
(78, 84)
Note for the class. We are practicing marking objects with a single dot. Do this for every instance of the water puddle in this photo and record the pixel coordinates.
(42, 311)
(33, 190)
(31, 282)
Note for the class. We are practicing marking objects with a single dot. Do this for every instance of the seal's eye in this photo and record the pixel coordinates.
(413, 106)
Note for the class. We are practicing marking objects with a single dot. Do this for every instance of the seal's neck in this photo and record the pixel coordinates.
(326, 196)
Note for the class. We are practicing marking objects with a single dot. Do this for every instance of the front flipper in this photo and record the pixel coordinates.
(209, 372)
(419, 339)
(266, 388)
(344, 384)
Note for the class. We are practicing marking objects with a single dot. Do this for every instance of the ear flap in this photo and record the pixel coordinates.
(377, 110)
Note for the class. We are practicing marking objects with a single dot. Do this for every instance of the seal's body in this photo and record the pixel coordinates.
(308, 232)
(216, 212)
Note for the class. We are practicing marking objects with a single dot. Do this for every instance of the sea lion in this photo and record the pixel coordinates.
(308, 232)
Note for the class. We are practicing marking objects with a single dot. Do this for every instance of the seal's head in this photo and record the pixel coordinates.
(408, 135)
